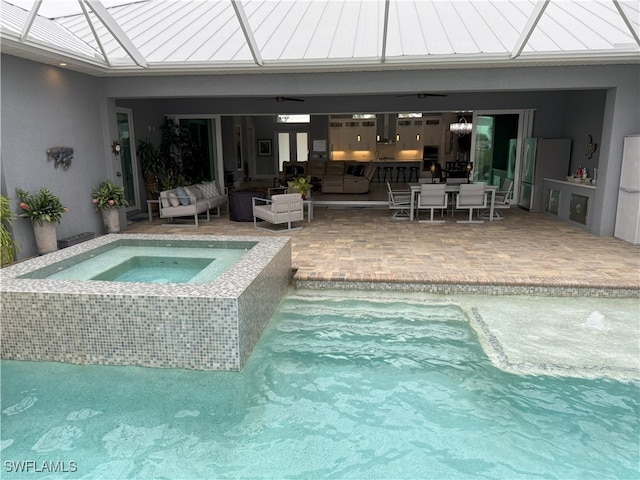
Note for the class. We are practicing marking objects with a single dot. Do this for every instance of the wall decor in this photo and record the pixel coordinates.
(264, 148)
(319, 145)
(115, 148)
(591, 147)
(60, 156)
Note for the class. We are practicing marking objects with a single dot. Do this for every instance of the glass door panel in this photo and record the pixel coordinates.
(128, 166)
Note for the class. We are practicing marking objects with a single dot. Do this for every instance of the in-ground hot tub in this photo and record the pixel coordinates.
(212, 324)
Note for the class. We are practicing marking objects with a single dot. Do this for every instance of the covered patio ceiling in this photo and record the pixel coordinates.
(168, 37)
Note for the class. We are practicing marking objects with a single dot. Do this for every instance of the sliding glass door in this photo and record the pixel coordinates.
(128, 161)
(204, 136)
(497, 143)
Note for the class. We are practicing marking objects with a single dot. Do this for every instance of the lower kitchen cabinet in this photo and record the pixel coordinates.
(570, 201)
(578, 208)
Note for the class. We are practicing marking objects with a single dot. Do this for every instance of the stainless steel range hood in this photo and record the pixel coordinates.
(386, 133)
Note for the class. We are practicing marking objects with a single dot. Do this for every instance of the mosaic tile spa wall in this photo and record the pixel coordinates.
(210, 326)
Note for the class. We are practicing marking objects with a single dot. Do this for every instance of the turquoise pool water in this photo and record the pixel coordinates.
(142, 268)
(336, 388)
(153, 263)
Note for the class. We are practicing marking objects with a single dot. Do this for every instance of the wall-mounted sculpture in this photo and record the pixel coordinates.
(60, 156)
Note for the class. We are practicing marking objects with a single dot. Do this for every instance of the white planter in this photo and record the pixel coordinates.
(46, 237)
(111, 219)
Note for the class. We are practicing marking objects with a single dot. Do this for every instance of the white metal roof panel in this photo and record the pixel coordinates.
(197, 33)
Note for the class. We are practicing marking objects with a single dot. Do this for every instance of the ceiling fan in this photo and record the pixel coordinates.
(423, 95)
(283, 99)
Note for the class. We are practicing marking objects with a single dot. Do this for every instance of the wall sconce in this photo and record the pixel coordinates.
(418, 136)
(377, 138)
(358, 137)
(468, 168)
(397, 137)
(115, 148)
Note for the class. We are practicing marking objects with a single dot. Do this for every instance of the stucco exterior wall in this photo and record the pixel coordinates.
(43, 107)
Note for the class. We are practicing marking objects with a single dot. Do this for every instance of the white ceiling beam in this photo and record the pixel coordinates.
(95, 33)
(248, 33)
(114, 28)
(626, 20)
(528, 29)
(385, 30)
(33, 13)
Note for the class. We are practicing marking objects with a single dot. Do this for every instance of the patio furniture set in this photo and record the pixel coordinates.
(479, 197)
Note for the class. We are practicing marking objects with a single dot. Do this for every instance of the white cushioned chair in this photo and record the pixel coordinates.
(432, 196)
(399, 203)
(503, 199)
(471, 197)
(279, 209)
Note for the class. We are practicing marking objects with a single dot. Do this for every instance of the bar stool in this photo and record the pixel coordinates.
(401, 170)
(389, 171)
(412, 171)
(376, 175)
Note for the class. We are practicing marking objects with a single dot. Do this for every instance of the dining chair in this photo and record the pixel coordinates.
(471, 197)
(399, 203)
(502, 200)
(432, 196)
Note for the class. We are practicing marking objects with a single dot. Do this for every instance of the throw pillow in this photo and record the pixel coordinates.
(190, 194)
(209, 189)
(182, 196)
(165, 202)
(195, 189)
(173, 200)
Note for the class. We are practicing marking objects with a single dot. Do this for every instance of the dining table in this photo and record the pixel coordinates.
(414, 189)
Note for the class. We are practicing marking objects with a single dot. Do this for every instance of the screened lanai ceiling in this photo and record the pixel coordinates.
(115, 37)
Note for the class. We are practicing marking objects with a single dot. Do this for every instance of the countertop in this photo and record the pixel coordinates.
(573, 184)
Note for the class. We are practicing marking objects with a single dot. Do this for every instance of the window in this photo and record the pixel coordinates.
(293, 118)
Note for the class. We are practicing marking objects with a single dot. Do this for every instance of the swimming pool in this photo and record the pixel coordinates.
(336, 388)
(210, 322)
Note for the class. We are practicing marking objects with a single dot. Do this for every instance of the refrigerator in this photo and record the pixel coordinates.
(628, 212)
(542, 158)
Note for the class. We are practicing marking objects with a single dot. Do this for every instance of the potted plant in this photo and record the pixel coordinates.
(8, 245)
(151, 164)
(44, 209)
(108, 198)
(302, 185)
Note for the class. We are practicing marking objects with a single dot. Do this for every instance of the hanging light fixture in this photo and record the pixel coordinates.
(462, 127)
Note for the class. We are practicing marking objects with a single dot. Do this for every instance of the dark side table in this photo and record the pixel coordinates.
(241, 204)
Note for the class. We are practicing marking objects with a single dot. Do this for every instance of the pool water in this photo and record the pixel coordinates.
(336, 388)
(198, 263)
(155, 269)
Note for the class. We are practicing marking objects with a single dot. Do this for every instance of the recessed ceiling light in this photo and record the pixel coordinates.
(62, 64)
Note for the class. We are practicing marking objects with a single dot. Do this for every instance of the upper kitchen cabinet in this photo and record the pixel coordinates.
(349, 134)
(433, 131)
(409, 133)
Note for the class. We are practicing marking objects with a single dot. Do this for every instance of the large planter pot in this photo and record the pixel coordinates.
(46, 237)
(111, 219)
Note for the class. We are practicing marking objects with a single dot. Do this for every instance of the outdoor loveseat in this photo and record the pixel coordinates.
(192, 200)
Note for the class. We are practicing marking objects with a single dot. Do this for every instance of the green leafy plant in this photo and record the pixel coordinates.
(151, 163)
(302, 185)
(42, 206)
(8, 247)
(109, 195)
